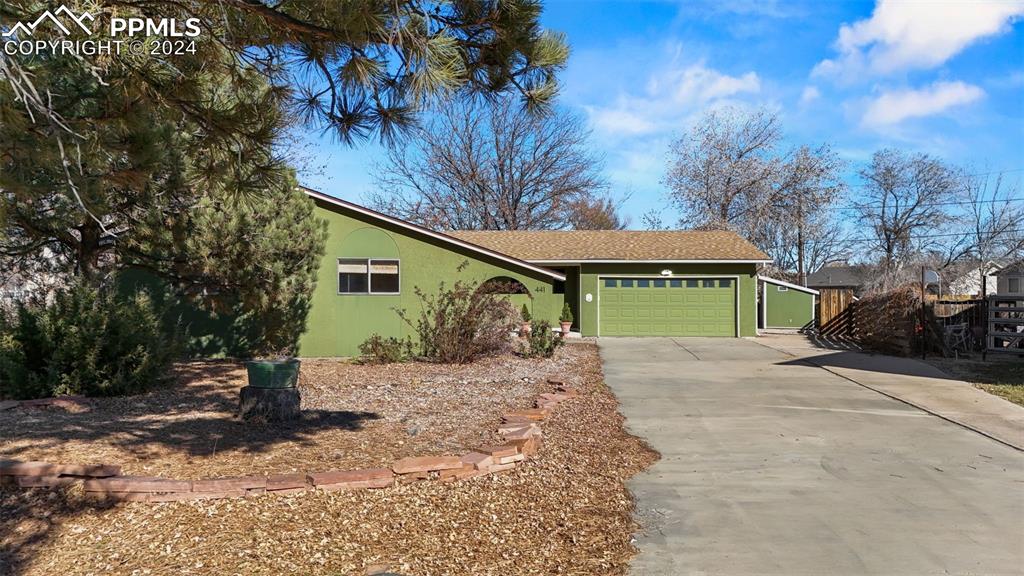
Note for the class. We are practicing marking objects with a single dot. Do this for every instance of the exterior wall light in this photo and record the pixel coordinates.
(666, 272)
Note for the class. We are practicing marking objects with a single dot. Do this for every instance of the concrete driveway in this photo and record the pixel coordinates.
(773, 466)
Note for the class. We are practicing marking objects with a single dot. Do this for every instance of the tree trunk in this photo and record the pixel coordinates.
(88, 250)
(269, 404)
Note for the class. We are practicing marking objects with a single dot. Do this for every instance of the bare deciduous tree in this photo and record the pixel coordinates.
(992, 223)
(653, 219)
(487, 165)
(597, 213)
(721, 172)
(807, 233)
(904, 199)
(728, 172)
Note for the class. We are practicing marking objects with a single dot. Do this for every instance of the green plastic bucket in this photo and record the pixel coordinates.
(273, 373)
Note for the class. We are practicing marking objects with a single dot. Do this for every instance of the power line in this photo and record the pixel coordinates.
(909, 238)
(989, 173)
(932, 204)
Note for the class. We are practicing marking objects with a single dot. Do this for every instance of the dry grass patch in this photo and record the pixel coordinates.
(566, 512)
(1002, 377)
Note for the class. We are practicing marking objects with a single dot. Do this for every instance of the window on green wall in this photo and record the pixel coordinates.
(368, 276)
(384, 276)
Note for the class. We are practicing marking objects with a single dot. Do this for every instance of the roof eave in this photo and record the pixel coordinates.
(787, 284)
(428, 232)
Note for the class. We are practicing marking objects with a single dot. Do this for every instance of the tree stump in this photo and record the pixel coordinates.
(269, 404)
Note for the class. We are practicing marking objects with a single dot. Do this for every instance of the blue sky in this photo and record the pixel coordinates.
(942, 77)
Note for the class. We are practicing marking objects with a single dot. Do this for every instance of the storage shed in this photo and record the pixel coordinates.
(785, 305)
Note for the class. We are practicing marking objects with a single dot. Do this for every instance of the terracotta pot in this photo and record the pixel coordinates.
(565, 328)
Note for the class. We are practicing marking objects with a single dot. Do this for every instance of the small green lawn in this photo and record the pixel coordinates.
(1003, 378)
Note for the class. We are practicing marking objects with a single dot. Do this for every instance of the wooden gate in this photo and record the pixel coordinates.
(835, 311)
(1005, 325)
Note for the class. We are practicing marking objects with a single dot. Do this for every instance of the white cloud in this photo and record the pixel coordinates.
(904, 35)
(810, 94)
(618, 121)
(669, 97)
(898, 105)
(745, 8)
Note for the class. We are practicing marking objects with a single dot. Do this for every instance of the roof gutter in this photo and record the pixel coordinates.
(626, 261)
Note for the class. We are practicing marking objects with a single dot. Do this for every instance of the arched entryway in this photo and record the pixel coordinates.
(516, 292)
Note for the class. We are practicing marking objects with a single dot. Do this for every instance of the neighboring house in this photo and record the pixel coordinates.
(1010, 280)
(785, 305)
(968, 281)
(618, 283)
(959, 280)
(840, 276)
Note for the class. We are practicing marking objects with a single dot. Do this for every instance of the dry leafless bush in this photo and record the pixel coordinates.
(459, 324)
(886, 321)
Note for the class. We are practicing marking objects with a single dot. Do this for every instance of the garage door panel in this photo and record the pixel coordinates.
(675, 307)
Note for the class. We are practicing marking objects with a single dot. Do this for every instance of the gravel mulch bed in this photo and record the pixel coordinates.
(354, 416)
(565, 512)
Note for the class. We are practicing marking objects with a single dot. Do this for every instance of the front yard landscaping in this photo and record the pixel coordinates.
(1004, 378)
(565, 511)
(354, 416)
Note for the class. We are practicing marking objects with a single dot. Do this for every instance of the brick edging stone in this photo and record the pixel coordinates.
(520, 429)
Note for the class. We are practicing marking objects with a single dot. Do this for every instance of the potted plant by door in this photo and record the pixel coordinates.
(272, 393)
(524, 313)
(565, 319)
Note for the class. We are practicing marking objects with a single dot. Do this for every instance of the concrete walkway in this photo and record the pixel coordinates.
(916, 383)
(772, 466)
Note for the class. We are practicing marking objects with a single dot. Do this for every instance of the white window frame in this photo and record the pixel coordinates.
(1010, 287)
(369, 277)
(783, 289)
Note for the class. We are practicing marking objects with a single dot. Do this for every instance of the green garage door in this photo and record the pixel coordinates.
(667, 307)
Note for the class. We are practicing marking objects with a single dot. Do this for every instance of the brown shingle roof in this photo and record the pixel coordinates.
(578, 245)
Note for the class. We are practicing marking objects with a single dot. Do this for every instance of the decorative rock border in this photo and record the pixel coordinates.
(520, 429)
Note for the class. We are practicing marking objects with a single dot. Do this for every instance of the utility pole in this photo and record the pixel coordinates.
(924, 314)
(801, 272)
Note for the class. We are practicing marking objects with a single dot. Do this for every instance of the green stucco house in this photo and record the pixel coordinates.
(618, 283)
(786, 306)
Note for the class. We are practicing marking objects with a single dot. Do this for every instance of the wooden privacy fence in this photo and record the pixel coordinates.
(836, 312)
(898, 322)
(960, 325)
(888, 322)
